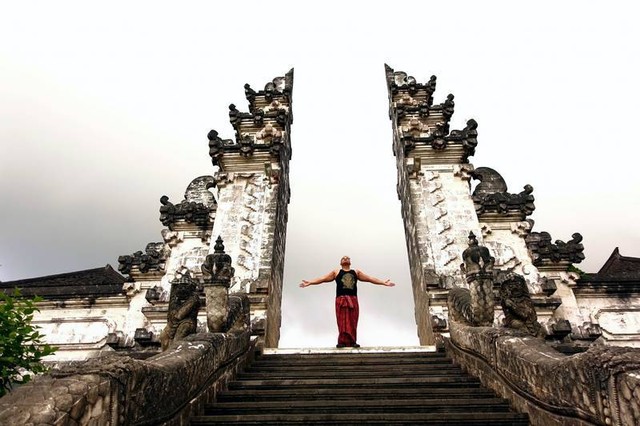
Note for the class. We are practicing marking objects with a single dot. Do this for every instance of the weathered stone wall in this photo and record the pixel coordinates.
(416, 239)
(80, 328)
(251, 219)
(505, 239)
(118, 390)
(273, 254)
(599, 386)
(615, 319)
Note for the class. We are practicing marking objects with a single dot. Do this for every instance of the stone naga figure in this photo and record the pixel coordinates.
(217, 271)
(474, 306)
(184, 304)
(519, 312)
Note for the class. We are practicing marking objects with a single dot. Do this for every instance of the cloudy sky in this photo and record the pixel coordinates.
(103, 109)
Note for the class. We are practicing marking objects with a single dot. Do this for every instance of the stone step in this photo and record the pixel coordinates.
(354, 357)
(353, 387)
(252, 374)
(347, 365)
(430, 380)
(378, 405)
(311, 363)
(448, 419)
(370, 392)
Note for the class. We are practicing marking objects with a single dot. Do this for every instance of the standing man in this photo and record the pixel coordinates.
(347, 309)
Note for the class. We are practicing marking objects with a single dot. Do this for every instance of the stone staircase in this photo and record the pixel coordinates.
(357, 387)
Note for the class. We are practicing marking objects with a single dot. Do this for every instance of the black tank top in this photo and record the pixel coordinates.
(346, 283)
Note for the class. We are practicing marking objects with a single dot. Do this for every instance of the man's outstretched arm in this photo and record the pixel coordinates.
(373, 280)
(324, 279)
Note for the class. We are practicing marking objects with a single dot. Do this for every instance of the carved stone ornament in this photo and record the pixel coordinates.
(268, 108)
(182, 317)
(247, 146)
(398, 81)
(517, 306)
(543, 250)
(477, 259)
(448, 107)
(189, 211)
(279, 88)
(153, 259)
(491, 196)
(475, 305)
(217, 146)
(217, 266)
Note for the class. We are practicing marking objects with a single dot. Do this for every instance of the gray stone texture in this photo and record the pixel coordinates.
(600, 386)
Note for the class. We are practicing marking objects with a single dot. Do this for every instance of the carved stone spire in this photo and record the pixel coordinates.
(261, 135)
(411, 108)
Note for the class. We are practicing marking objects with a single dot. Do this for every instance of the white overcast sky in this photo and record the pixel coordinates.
(105, 107)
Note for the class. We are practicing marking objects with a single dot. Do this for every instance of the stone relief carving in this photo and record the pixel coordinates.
(542, 249)
(517, 306)
(182, 317)
(153, 259)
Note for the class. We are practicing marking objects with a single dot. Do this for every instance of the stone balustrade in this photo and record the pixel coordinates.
(600, 386)
(116, 390)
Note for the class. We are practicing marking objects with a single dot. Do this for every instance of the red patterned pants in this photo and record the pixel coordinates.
(347, 312)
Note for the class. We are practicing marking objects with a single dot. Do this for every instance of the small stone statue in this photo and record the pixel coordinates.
(184, 304)
(519, 312)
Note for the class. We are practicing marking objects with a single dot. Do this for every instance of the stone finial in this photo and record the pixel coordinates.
(474, 306)
(182, 317)
(217, 267)
(448, 107)
(477, 259)
(217, 271)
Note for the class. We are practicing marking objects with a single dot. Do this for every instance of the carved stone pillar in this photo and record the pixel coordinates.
(217, 272)
(433, 187)
(253, 197)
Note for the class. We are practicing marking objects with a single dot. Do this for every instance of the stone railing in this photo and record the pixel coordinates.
(600, 386)
(118, 390)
